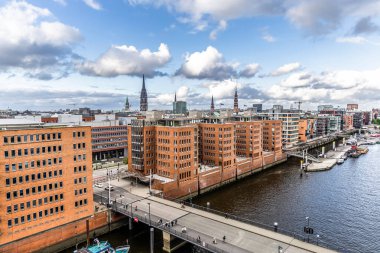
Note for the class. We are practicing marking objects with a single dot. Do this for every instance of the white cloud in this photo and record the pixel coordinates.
(31, 38)
(207, 64)
(250, 70)
(221, 27)
(268, 38)
(93, 4)
(127, 60)
(313, 17)
(222, 89)
(328, 87)
(353, 40)
(61, 2)
(286, 69)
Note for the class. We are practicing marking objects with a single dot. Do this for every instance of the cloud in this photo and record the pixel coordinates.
(93, 4)
(61, 2)
(314, 18)
(265, 35)
(286, 69)
(352, 40)
(221, 27)
(365, 26)
(337, 86)
(207, 64)
(127, 60)
(32, 39)
(250, 70)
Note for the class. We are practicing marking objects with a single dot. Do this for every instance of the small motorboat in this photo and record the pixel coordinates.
(103, 247)
(340, 161)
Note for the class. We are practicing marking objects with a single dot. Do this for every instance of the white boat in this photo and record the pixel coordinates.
(340, 161)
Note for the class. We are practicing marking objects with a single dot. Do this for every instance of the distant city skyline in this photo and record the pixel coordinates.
(93, 53)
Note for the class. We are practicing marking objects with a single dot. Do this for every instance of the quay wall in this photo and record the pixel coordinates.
(66, 236)
(216, 178)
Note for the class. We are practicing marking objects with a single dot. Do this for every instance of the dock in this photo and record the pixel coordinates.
(329, 161)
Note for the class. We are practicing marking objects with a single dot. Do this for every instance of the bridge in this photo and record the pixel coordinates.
(203, 228)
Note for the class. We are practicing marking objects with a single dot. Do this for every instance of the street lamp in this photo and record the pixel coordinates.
(150, 222)
(317, 239)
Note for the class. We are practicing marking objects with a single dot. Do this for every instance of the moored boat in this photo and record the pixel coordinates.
(103, 247)
(340, 161)
(362, 150)
(355, 154)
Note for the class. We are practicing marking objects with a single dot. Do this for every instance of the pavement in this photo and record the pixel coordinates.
(240, 236)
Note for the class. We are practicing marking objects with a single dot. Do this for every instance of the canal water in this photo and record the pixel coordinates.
(343, 204)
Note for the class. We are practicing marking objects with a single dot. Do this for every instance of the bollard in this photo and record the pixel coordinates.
(151, 240)
(275, 226)
(208, 205)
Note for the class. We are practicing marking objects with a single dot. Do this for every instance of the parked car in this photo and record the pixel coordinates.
(111, 188)
(100, 185)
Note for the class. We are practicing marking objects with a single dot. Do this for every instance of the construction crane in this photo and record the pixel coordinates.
(299, 104)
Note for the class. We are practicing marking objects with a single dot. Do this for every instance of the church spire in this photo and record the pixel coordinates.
(212, 105)
(236, 101)
(127, 105)
(143, 97)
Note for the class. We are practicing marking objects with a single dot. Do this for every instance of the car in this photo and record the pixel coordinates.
(100, 185)
(110, 188)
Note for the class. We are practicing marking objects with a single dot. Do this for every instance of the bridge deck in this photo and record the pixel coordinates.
(240, 237)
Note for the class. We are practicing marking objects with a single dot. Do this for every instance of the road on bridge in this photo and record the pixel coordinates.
(240, 237)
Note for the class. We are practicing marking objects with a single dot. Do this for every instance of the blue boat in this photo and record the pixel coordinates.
(103, 247)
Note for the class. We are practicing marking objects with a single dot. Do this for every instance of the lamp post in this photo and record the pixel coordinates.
(317, 239)
(109, 188)
(150, 222)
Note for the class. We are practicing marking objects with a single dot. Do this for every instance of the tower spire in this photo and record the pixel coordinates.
(175, 97)
(127, 105)
(236, 101)
(143, 97)
(212, 105)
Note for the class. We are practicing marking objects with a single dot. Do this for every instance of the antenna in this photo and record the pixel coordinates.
(299, 104)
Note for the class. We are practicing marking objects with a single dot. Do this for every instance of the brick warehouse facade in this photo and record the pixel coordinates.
(187, 157)
(45, 179)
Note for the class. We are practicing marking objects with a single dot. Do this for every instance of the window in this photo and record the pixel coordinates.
(20, 166)
(8, 195)
(9, 209)
(6, 167)
(25, 151)
(16, 221)
(7, 181)
(26, 165)
(13, 167)
(27, 178)
(5, 139)
(25, 138)
(18, 138)
(6, 154)
(9, 223)
(15, 208)
(13, 153)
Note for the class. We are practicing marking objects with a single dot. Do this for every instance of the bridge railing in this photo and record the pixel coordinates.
(251, 222)
(153, 221)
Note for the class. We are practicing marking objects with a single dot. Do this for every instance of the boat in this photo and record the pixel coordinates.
(362, 150)
(344, 157)
(103, 247)
(355, 154)
(340, 161)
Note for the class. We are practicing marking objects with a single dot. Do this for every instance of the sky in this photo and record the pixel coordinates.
(58, 54)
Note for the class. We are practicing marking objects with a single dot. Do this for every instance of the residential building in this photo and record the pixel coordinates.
(348, 120)
(358, 120)
(272, 136)
(352, 107)
(46, 177)
(306, 129)
(322, 126)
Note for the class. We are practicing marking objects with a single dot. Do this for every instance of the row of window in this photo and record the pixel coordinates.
(31, 138)
(32, 151)
(33, 177)
(28, 218)
(33, 190)
(123, 128)
(80, 169)
(80, 180)
(80, 191)
(81, 202)
(34, 203)
(79, 145)
(33, 164)
(79, 134)
(79, 157)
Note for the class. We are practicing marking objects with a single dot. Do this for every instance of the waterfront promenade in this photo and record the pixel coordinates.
(329, 161)
(240, 236)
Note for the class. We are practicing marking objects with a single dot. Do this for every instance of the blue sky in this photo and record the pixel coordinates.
(76, 53)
